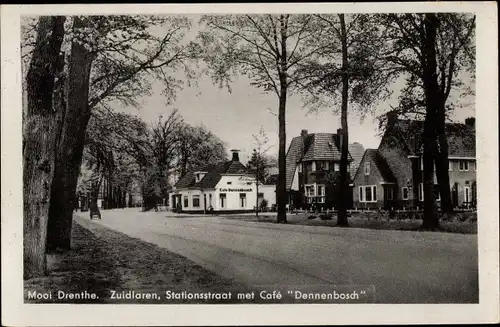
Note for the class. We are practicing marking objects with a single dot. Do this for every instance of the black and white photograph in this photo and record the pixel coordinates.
(248, 160)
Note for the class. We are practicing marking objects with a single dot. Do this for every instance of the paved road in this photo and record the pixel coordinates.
(405, 267)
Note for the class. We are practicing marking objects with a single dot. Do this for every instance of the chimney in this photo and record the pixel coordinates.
(392, 117)
(235, 155)
(471, 121)
(303, 133)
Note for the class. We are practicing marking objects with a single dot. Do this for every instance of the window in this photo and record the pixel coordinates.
(320, 165)
(422, 163)
(437, 193)
(222, 197)
(199, 176)
(313, 166)
(474, 165)
(196, 201)
(299, 166)
(229, 183)
(309, 190)
(463, 165)
(327, 166)
(466, 194)
(210, 200)
(321, 193)
(367, 168)
(390, 193)
(450, 165)
(421, 192)
(243, 200)
(186, 202)
(405, 193)
(336, 166)
(368, 193)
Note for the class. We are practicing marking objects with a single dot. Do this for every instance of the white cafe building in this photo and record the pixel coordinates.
(224, 187)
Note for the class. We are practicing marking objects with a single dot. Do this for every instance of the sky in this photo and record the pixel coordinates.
(235, 117)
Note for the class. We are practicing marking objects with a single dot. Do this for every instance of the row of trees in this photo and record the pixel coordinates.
(74, 67)
(355, 59)
(79, 67)
(131, 156)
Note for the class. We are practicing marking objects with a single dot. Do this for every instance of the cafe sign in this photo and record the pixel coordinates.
(235, 190)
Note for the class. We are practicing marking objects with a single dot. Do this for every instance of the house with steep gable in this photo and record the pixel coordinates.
(313, 168)
(392, 175)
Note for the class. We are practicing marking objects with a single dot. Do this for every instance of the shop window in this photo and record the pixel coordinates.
(368, 193)
(186, 202)
(222, 197)
(405, 193)
(196, 201)
(243, 200)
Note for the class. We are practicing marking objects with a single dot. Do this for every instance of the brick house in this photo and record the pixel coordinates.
(391, 176)
(313, 168)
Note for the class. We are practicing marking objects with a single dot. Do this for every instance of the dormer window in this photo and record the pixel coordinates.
(198, 176)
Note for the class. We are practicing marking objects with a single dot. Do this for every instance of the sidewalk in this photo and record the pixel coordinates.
(102, 260)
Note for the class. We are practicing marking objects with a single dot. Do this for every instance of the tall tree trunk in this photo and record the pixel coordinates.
(70, 148)
(281, 188)
(430, 220)
(442, 174)
(344, 141)
(39, 143)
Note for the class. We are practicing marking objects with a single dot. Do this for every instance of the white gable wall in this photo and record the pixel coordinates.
(232, 186)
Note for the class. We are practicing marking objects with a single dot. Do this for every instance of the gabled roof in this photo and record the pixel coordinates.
(314, 146)
(213, 175)
(380, 163)
(272, 180)
(293, 156)
(322, 146)
(357, 151)
(407, 134)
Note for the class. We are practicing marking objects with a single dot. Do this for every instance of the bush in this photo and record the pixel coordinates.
(263, 205)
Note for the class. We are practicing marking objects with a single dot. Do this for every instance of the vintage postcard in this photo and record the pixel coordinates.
(230, 164)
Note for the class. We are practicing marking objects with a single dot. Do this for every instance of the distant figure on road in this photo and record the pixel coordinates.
(94, 210)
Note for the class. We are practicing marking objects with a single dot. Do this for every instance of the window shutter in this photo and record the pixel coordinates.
(360, 194)
(374, 193)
